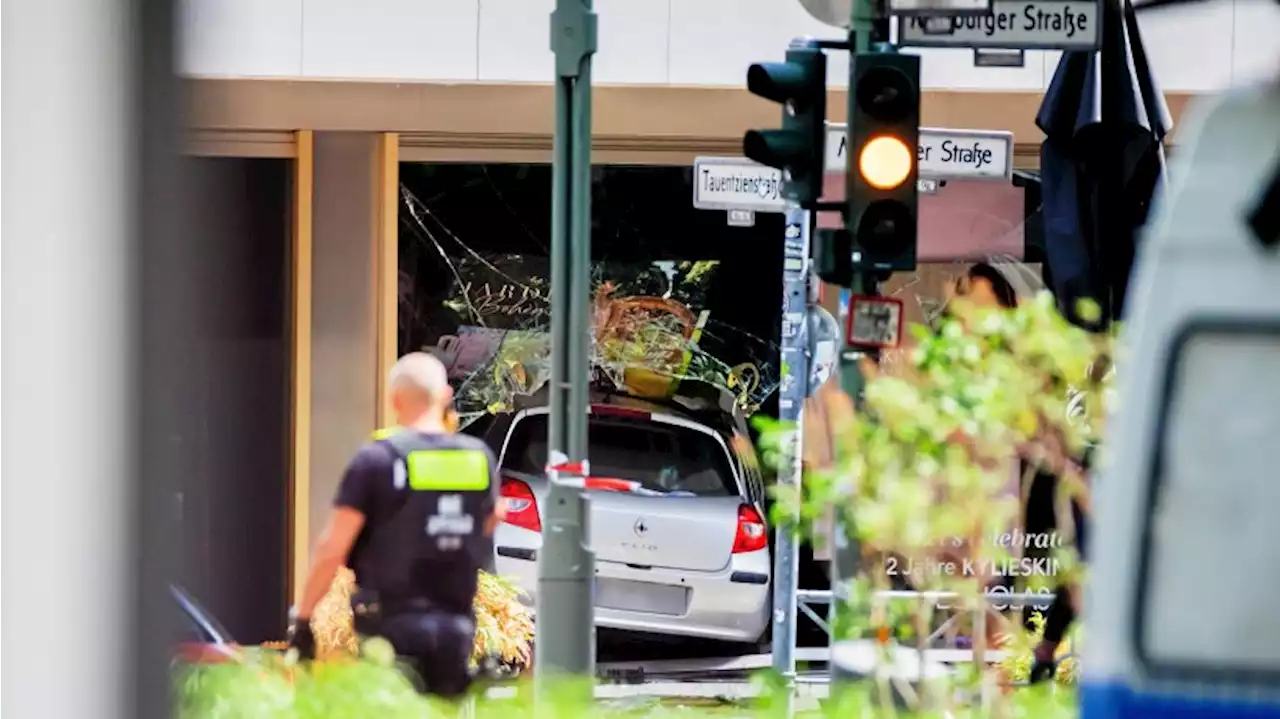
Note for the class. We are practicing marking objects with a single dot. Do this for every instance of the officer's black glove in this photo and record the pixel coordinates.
(302, 639)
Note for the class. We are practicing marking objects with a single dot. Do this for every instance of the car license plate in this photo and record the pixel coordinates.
(631, 596)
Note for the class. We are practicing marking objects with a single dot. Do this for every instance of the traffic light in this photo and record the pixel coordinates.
(800, 84)
(884, 133)
(832, 255)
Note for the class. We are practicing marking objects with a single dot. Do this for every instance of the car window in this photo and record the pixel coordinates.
(749, 466)
(479, 426)
(662, 457)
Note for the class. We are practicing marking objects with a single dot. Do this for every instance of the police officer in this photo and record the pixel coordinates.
(413, 517)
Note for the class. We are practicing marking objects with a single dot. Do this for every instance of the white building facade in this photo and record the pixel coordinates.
(1194, 49)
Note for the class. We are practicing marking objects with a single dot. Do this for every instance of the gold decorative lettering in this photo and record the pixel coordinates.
(507, 300)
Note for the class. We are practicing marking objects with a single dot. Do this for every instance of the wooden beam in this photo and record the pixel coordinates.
(438, 120)
(300, 277)
(386, 200)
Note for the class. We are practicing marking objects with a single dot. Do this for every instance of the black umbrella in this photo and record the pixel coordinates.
(1101, 162)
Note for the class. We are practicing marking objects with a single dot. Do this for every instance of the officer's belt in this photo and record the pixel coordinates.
(384, 607)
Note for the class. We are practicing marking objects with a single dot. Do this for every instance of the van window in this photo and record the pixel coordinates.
(661, 457)
(1211, 555)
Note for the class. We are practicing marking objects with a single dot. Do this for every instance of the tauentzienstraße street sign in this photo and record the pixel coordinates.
(1012, 25)
(736, 183)
(943, 154)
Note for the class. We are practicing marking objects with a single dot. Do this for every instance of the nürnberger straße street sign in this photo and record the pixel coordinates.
(1011, 25)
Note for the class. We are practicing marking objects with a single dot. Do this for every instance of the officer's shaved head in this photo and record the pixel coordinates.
(419, 384)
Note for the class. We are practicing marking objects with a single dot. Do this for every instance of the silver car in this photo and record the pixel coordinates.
(678, 521)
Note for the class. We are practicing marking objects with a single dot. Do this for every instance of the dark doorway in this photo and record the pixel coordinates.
(234, 500)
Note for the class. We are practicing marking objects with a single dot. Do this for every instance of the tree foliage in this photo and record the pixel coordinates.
(929, 475)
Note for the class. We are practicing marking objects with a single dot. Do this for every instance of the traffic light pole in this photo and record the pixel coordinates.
(868, 30)
(799, 85)
(565, 641)
(797, 355)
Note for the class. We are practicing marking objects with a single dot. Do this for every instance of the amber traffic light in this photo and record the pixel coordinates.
(884, 132)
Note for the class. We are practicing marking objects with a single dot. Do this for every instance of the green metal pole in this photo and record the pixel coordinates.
(867, 18)
(565, 641)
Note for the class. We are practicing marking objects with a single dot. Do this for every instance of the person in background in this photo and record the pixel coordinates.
(413, 517)
(984, 284)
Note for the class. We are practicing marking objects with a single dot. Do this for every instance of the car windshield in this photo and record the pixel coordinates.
(665, 458)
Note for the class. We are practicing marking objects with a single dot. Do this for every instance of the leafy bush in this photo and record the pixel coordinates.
(1019, 646)
(926, 475)
(266, 688)
(273, 687)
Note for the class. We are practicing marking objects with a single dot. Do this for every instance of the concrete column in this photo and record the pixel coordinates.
(353, 215)
(343, 328)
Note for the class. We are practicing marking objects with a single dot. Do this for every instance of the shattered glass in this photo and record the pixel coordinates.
(925, 292)
(653, 332)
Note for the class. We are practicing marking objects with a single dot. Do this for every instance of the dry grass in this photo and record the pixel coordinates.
(504, 626)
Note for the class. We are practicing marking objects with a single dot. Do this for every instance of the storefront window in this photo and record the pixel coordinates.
(677, 293)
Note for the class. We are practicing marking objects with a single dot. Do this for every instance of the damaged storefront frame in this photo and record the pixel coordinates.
(662, 330)
(655, 322)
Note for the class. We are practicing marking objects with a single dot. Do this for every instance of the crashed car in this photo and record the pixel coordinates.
(678, 516)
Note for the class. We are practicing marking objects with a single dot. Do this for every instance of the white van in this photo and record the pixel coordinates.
(1182, 616)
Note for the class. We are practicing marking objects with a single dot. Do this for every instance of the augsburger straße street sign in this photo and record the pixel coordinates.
(943, 154)
(1011, 25)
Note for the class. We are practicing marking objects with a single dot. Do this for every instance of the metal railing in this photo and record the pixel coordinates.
(806, 599)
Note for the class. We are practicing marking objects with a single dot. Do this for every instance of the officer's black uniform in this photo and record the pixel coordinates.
(426, 499)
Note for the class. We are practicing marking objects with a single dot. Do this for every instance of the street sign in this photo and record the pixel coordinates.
(943, 154)
(736, 183)
(742, 218)
(1011, 25)
(874, 322)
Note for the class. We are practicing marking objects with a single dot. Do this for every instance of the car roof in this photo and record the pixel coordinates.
(723, 416)
(724, 419)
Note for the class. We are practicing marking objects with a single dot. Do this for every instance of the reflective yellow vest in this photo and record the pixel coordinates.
(384, 433)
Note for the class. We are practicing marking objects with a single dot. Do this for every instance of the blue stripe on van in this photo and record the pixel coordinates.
(1116, 701)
